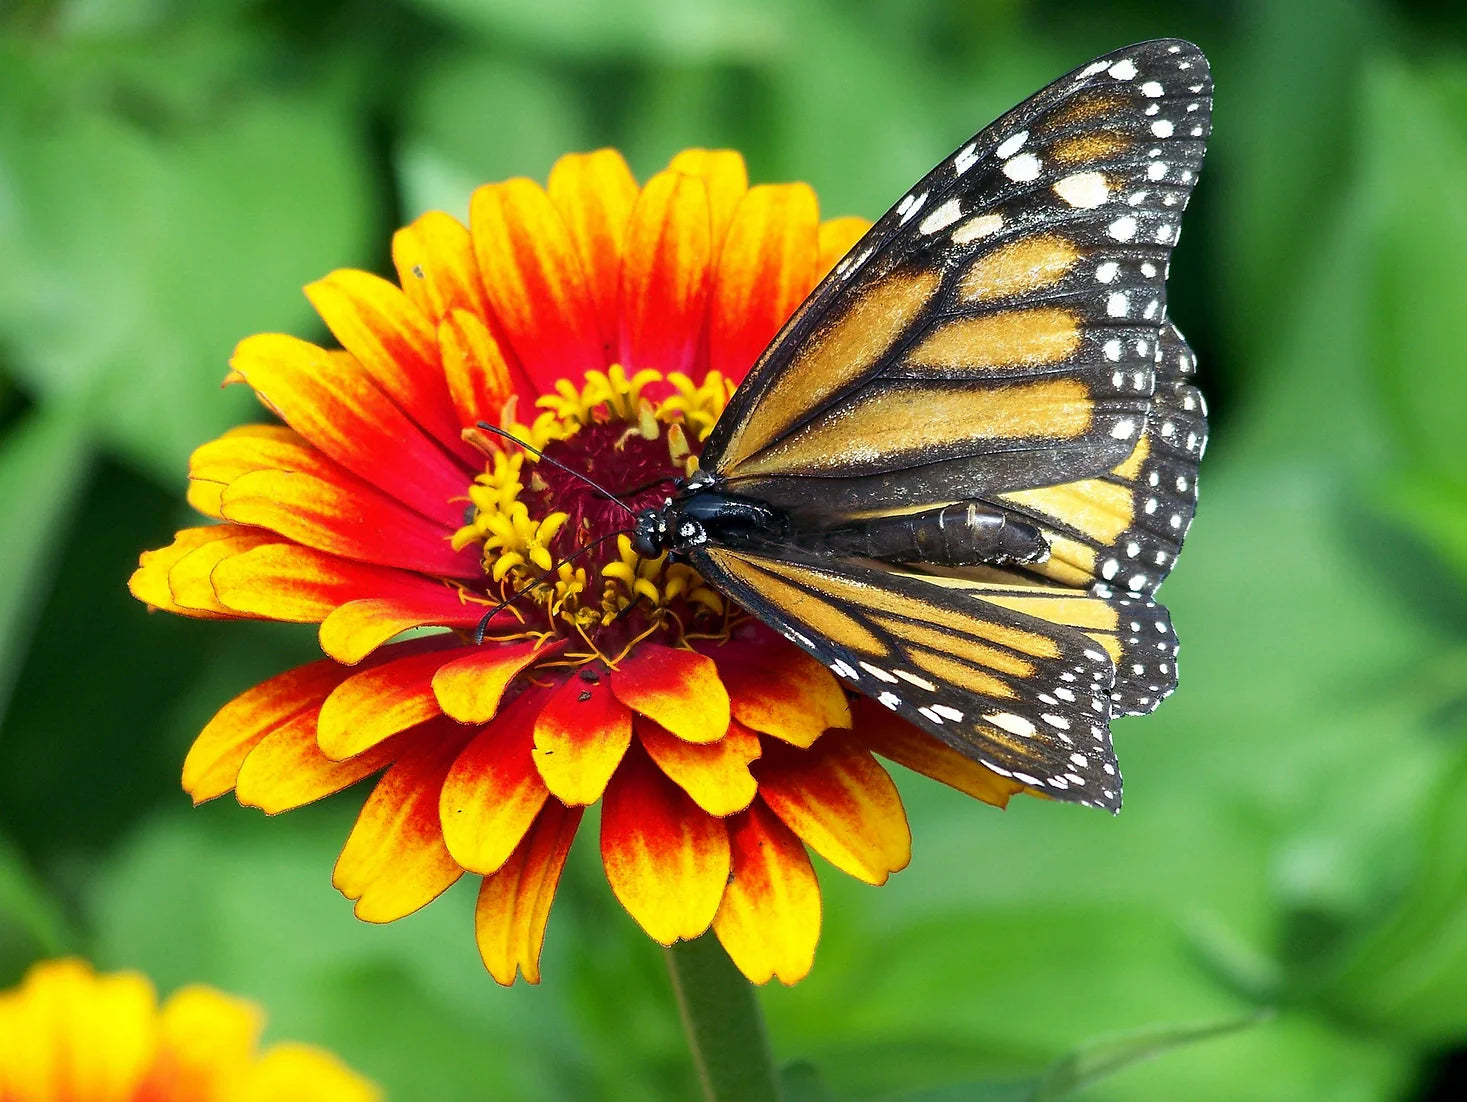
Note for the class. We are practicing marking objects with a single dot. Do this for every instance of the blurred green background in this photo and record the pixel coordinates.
(1295, 833)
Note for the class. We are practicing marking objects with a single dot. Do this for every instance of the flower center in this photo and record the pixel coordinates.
(556, 549)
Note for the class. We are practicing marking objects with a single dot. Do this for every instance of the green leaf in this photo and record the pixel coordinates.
(1432, 506)
(1087, 1065)
(684, 31)
(1020, 1091)
(1415, 139)
(31, 923)
(1103, 1058)
(1405, 974)
(44, 463)
(224, 896)
(800, 1082)
(1283, 158)
(143, 239)
(476, 117)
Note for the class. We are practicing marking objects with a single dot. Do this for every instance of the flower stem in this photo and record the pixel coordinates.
(724, 1023)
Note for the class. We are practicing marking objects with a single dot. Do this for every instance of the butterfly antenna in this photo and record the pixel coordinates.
(602, 490)
(648, 485)
(483, 625)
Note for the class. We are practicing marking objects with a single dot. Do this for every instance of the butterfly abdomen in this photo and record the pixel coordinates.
(966, 533)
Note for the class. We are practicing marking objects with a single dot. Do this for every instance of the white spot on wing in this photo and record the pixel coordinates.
(1123, 228)
(1023, 168)
(913, 679)
(941, 218)
(1011, 145)
(910, 205)
(1083, 190)
(1015, 725)
(1124, 69)
(975, 228)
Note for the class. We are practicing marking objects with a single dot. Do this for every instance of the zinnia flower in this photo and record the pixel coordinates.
(70, 1035)
(606, 325)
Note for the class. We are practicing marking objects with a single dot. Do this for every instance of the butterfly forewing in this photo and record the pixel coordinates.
(1015, 678)
(1008, 308)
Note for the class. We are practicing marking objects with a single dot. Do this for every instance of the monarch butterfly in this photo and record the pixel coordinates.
(960, 471)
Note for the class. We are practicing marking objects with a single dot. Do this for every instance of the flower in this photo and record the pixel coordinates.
(70, 1035)
(605, 325)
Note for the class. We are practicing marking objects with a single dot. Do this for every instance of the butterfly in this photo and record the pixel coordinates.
(961, 470)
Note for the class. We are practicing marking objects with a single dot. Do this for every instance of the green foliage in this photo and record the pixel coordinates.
(171, 174)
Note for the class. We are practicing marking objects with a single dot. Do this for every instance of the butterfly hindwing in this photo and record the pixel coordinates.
(1009, 308)
(1022, 694)
(1125, 527)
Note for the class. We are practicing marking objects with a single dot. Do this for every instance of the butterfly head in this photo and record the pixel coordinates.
(649, 532)
(669, 528)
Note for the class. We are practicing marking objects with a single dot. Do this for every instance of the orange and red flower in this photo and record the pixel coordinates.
(70, 1035)
(606, 325)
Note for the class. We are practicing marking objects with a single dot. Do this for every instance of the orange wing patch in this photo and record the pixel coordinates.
(1091, 146)
(878, 426)
(1086, 107)
(1022, 266)
(1014, 338)
(838, 356)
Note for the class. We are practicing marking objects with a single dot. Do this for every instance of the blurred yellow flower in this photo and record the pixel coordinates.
(70, 1035)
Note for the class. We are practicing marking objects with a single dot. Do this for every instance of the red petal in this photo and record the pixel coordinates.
(679, 689)
(715, 774)
(895, 739)
(374, 704)
(394, 860)
(283, 581)
(330, 401)
(471, 687)
(667, 860)
(493, 791)
(246, 448)
(535, 281)
(214, 760)
(356, 629)
(478, 375)
(769, 921)
(765, 270)
(726, 177)
(396, 345)
(191, 578)
(665, 274)
(580, 737)
(514, 903)
(841, 802)
(149, 582)
(781, 691)
(348, 518)
(434, 257)
(287, 769)
(595, 194)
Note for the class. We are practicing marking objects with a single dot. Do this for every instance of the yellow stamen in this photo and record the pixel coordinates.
(519, 547)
